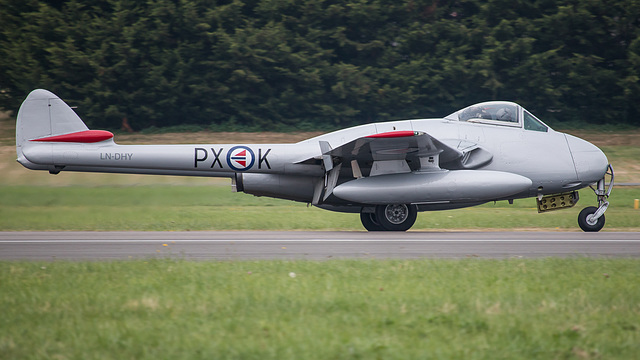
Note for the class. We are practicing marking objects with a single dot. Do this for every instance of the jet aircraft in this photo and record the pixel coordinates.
(387, 172)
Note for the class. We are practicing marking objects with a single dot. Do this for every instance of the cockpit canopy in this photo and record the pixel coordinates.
(501, 113)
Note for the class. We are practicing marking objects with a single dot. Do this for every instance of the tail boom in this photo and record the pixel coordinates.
(50, 136)
(188, 160)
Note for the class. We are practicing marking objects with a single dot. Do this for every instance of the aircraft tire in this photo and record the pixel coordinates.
(584, 224)
(396, 217)
(370, 222)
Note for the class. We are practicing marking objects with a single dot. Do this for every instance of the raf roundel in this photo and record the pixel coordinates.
(240, 158)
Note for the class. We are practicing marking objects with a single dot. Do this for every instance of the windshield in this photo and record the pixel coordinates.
(495, 110)
(501, 113)
(531, 123)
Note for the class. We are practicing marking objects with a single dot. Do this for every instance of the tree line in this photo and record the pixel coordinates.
(321, 63)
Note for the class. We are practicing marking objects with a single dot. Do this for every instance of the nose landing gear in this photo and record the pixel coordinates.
(591, 219)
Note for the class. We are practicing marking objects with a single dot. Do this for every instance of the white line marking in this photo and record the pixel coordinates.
(231, 241)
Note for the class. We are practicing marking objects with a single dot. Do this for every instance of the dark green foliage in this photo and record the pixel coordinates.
(278, 63)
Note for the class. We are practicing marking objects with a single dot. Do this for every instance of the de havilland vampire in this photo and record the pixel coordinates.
(387, 172)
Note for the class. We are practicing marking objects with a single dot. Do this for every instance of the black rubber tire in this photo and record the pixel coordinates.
(584, 225)
(370, 222)
(396, 217)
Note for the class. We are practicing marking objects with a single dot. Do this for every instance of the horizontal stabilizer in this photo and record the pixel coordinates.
(87, 136)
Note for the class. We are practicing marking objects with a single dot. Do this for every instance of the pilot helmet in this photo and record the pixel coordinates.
(504, 114)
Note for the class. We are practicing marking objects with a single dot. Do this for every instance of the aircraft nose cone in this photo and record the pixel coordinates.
(590, 162)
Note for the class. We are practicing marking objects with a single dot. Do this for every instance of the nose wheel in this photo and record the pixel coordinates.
(588, 221)
(591, 219)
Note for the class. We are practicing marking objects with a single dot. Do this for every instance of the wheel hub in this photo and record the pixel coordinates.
(396, 214)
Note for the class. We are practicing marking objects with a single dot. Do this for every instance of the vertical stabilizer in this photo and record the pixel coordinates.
(41, 116)
(44, 114)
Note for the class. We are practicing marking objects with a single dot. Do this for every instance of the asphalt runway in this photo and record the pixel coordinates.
(312, 245)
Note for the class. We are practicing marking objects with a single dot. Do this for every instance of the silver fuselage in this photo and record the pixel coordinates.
(506, 160)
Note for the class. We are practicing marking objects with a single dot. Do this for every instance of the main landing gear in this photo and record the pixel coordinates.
(591, 219)
(392, 217)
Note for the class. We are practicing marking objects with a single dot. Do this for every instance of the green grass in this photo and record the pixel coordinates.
(395, 309)
(163, 207)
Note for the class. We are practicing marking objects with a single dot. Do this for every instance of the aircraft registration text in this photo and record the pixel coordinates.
(116, 156)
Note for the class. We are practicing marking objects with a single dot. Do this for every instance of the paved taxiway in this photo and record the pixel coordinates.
(243, 245)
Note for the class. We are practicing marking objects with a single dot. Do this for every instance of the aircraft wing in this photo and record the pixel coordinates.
(396, 152)
(415, 147)
(395, 145)
(393, 153)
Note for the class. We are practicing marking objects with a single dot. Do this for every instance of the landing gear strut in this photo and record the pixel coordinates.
(591, 219)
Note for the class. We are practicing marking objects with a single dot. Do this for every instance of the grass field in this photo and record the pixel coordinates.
(465, 309)
(215, 207)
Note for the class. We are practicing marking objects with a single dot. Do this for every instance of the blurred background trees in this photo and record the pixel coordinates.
(321, 63)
